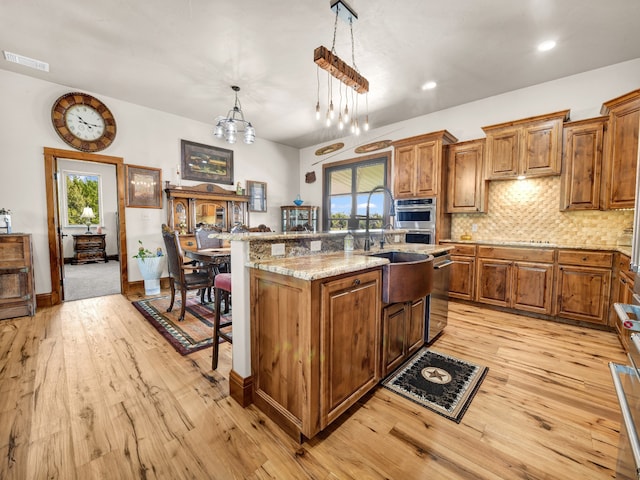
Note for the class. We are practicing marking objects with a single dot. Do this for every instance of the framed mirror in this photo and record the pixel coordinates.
(211, 213)
(257, 192)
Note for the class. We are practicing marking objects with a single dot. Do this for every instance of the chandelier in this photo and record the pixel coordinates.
(234, 123)
(354, 83)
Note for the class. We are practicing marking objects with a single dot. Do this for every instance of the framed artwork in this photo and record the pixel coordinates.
(144, 187)
(205, 163)
(257, 192)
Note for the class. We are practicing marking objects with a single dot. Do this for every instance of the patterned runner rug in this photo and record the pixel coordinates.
(194, 333)
(438, 382)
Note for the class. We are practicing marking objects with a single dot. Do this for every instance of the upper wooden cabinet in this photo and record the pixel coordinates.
(619, 182)
(530, 147)
(418, 165)
(583, 144)
(206, 203)
(467, 187)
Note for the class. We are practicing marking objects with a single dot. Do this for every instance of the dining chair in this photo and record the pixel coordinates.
(203, 241)
(181, 276)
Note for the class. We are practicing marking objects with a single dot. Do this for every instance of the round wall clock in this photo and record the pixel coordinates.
(83, 122)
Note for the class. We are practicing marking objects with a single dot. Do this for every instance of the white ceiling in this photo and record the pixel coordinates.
(182, 56)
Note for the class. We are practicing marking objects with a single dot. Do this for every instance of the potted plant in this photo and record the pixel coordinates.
(150, 265)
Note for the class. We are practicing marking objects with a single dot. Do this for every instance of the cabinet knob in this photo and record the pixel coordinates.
(356, 281)
(190, 244)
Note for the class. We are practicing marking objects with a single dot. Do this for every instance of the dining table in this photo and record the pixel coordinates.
(212, 257)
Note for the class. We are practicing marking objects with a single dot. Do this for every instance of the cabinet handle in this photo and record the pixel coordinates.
(190, 244)
(356, 281)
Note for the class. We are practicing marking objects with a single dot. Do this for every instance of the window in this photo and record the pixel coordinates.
(346, 190)
(81, 190)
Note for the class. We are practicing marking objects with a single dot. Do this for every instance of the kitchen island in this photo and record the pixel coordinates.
(316, 334)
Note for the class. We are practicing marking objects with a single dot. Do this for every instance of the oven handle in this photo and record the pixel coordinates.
(616, 370)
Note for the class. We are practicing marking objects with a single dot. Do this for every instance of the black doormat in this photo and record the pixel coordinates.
(438, 382)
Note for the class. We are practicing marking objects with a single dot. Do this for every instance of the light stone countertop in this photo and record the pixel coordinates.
(624, 249)
(314, 267)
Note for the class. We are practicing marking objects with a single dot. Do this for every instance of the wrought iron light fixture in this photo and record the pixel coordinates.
(234, 123)
(349, 76)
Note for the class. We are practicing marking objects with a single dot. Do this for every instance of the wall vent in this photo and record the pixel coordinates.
(26, 61)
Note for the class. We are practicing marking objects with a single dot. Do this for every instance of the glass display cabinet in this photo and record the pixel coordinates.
(299, 219)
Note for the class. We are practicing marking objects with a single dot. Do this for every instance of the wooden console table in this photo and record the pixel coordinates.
(89, 247)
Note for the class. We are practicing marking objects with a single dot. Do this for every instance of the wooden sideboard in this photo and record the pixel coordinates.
(17, 286)
(89, 247)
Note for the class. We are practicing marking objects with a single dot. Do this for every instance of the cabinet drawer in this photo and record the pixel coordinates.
(623, 263)
(582, 257)
(522, 254)
(464, 249)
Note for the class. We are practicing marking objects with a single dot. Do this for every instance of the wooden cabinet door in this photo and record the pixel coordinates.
(493, 281)
(583, 293)
(17, 287)
(393, 337)
(624, 294)
(415, 326)
(503, 153)
(542, 149)
(466, 190)
(532, 287)
(349, 341)
(461, 279)
(427, 168)
(623, 156)
(582, 164)
(404, 171)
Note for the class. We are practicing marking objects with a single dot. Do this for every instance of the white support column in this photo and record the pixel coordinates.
(241, 305)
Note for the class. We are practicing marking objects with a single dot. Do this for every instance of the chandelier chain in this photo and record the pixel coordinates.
(353, 51)
(335, 30)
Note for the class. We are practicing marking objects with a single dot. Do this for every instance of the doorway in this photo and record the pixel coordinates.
(55, 230)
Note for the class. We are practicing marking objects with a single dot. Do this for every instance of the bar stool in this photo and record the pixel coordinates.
(222, 286)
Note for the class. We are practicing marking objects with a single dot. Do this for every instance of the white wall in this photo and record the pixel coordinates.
(583, 94)
(144, 137)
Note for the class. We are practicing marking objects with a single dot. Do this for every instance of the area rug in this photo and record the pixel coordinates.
(194, 333)
(438, 382)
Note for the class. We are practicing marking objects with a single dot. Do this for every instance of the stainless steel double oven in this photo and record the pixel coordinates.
(418, 216)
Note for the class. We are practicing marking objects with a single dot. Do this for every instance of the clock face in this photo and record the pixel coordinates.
(83, 122)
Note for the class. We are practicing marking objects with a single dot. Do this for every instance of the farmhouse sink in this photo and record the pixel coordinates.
(408, 276)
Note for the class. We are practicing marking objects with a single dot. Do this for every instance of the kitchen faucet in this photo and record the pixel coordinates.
(392, 213)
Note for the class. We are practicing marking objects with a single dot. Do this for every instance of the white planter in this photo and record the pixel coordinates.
(151, 269)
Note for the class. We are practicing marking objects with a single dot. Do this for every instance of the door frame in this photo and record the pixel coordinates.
(56, 256)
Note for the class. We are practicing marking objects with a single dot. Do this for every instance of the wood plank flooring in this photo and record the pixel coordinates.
(89, 389)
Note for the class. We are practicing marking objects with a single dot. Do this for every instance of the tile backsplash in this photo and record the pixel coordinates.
(528, 211)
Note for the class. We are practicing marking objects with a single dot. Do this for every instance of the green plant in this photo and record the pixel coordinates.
(143, 252)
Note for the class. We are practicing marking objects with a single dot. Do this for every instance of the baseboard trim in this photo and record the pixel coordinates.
(240, 388)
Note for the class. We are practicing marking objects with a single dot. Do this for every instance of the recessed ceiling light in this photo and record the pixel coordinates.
(26, 61)
(429, 85)
(545, 46)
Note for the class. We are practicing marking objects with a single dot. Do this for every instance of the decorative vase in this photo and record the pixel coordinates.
(298, 201)
(151, 269)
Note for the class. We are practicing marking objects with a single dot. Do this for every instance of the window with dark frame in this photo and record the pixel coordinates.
(346, 189)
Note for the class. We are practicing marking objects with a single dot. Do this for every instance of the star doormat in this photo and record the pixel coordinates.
(194, 333)
(438, 382)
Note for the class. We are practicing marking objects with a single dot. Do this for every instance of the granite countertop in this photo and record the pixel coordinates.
(624, 249)
(314, 267)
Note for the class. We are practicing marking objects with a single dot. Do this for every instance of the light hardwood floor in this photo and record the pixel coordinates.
(90, 390)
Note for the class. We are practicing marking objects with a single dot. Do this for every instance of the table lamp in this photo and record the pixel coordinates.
(87, 214)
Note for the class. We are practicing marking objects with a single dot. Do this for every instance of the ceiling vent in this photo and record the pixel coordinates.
(26, 61)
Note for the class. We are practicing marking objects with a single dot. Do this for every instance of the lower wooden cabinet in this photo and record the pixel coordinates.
(520, 278)
(583, 285)
(315, 346)
(621, 292)
(462, 279)
(17, 289)
(402, 333)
